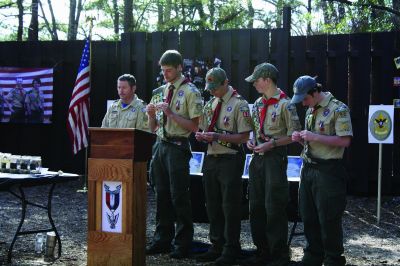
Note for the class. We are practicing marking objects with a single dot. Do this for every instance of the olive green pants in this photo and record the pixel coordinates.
(169, 171)
(322, 200)
(269, 196)
(222, 177)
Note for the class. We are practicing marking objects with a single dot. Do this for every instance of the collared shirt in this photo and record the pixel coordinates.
(331, 119)
(280, 121)
(35, 99)
(16, 97)
(186, 102)
(131, 116)
(233, 118)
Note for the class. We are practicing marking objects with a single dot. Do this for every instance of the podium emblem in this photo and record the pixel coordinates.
(112, 193)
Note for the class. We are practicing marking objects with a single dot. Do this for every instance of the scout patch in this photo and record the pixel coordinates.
(181, 93)
(321, 126)
(326, 112)
(226, 121)
(178, 105)
(229, 109)
(273, 116)
(133, 109)
(276, 105)
(199, 106)
(144, 109)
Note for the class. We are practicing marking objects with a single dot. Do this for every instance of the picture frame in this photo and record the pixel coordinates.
(294, 168)
(245, 174)
(196, 163)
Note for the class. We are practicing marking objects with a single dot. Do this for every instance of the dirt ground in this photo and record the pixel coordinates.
(366, 243)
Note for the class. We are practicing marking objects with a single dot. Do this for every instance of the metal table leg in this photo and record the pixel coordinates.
(24, 204)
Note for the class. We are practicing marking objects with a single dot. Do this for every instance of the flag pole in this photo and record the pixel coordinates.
(85, 181)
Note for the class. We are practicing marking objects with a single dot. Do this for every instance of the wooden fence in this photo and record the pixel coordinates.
(358, 69)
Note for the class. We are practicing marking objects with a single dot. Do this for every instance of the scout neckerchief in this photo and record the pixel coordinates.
(266, 103)
(168, 100)
(216, 112)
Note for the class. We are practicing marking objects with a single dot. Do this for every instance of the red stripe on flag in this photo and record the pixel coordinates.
(78, 111)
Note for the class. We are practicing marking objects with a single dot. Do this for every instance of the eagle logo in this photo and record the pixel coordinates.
(380, 125)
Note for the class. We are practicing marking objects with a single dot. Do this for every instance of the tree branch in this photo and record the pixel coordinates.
(384, 8)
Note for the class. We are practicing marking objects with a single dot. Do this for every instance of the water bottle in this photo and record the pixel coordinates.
(39, 244)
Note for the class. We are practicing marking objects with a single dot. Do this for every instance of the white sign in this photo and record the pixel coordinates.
(380, 124)
(111, 218)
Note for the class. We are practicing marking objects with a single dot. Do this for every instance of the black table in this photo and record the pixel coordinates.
(12, 183)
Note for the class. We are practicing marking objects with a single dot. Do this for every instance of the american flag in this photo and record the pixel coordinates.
(78, 113)
(9, 76)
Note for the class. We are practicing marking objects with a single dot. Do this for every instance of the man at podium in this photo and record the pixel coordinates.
(129, 111)
(173, 112)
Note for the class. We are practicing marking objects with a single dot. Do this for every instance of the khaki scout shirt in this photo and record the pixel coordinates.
(233, 118)
(332, 119)
(186, 102)
(131, 116)
(281, 118)
(35, 100)
(16, 97)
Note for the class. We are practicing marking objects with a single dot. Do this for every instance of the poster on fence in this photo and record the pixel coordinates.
(380, 124)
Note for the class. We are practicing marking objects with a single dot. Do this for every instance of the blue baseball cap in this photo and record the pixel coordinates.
(301, 87)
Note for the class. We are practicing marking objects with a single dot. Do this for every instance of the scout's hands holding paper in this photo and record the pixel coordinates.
(153, 108)
(261, 148)
(304, 135)
(207, 136)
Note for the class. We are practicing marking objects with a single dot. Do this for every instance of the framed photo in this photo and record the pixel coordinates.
(246, 166)
(396, 103)
(294, 167)
(196, 163)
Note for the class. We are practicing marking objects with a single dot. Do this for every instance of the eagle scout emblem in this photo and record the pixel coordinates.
(229, 109)
(321, 126)
(326, 112)
(178, 105)
(226, 121)
(112, 201)
(273, 116)
(133, 109)
(181, 93)
(380, 125)
(276, 105)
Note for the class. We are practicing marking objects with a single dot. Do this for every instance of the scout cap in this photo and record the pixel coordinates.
(264, 70)
(214, 78)
(301, 87)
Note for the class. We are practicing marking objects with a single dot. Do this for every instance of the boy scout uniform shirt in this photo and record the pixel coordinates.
(186, 102)
(35, 100)
(16, 97)
(332, 118)
(131, 116)
(233, 118)
(281, 118)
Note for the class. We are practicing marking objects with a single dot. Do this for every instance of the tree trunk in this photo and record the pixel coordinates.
(396, 19)
(251, 14)
(309, 9)
(75, 10)
(211, 7)
(128, 15)
(71, 23)
(33, 30)
(116, 16)
(53, 21)
(160, 12)
(20, 20)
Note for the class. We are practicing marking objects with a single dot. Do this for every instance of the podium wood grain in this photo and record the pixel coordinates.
(117, 164)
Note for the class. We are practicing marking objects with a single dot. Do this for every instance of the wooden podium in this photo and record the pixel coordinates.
(117, 156)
